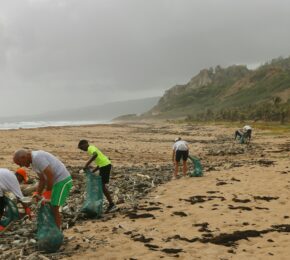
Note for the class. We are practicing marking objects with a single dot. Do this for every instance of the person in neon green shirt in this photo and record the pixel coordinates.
(103, 164)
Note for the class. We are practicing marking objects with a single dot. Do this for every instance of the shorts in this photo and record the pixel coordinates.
(181, 154)
(2, 205)
(60, 192)
(105, 173)
(249, 133)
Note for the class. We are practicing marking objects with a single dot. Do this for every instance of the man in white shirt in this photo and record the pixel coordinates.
(180, 151)
(9, 182)
(53, 177)
(246, 131)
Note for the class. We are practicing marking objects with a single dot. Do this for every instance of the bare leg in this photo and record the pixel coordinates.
(175, 169)
(238, 134)
(184, 168)
(57, 216)
(107, 194)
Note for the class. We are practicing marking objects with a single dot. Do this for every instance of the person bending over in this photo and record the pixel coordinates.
(245, 131)
(9, 182)
(180, 151)
(103, 165)
(55, 181)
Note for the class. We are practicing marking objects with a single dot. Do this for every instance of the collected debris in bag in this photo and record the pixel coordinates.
(93, 205)
(10, 212)
(49, 237)
(197, 172)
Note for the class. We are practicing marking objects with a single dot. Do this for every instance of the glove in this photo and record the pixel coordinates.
(34, 194)
(28, 212)
(47, 194)
(2, 228)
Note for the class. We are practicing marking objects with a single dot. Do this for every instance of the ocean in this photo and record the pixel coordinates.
(40, 124)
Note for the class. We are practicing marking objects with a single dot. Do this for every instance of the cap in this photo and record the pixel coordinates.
(23, 173)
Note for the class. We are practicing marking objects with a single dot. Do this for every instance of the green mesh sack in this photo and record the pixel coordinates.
(242, 139)
(49, 237)
(10, 212)
(93, 204)
(197, 172)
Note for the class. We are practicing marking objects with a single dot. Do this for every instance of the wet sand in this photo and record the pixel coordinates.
(239, 209)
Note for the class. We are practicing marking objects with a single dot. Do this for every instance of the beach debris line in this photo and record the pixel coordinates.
(172, 250)
(266, 162)
(133, 215)
(141, 238)
(179, 213)
(127, 189)
(226, 150)
(231, 239)
(266, 198)
(202, 198)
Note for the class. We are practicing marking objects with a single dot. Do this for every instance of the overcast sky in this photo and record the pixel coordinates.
(57, 54)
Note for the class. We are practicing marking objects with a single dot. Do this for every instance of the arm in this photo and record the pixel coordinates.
(173, 155)
(41, 185)
(96, 169)
(95, 155)
(49, 178)
(2, 206)
(48, 183)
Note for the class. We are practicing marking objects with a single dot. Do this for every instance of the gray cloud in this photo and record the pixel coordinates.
(58, 54)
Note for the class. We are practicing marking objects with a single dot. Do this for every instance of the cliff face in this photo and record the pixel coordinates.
(220, 88)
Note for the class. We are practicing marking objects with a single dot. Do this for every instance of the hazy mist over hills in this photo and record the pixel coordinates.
(103, 112)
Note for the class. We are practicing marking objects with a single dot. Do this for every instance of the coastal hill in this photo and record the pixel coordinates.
(218, 89)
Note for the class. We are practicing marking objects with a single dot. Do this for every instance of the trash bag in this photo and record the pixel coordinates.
(10, 212)
(197, 172)
(242, 139)
(49, 237)
(245, 138)
(93, 204)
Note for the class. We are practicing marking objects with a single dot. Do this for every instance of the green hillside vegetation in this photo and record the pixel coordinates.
(233, 93)
(266, 111)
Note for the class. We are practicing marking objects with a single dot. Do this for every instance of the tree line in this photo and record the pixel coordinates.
(271, 111)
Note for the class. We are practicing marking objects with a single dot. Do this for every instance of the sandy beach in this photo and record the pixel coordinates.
(239, 209)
